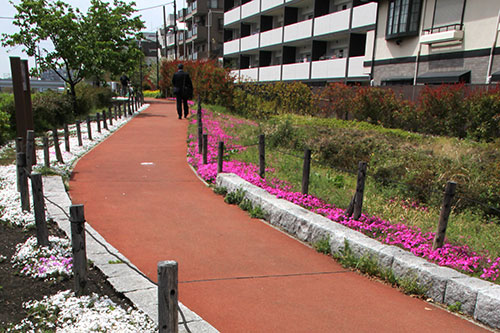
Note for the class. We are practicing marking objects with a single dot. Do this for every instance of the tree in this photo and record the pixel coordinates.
(84, 46)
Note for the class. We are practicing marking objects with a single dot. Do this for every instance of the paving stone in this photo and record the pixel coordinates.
(131, 282)
(488, 306)
(198, 327)
(116, 270)
(145, 300)
(406, 265)
(464, 289)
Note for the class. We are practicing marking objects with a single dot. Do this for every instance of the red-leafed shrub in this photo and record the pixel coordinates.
(210, 80)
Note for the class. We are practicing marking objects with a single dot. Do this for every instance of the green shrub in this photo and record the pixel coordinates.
(235, 197)
(152, 93)
(323, 245)
(257, 212)
(335, 100)
(51, 109)
(375, 105)
(6, 110)
(484, 116)
(90, 98)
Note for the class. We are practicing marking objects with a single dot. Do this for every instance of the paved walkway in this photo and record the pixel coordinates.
(238, 273)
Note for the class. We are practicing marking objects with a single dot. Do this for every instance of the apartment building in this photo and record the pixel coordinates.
(202, 37)
(308, 40)
(436, 41)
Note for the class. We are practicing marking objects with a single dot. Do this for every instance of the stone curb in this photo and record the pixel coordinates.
(141, 292)
(479, 298)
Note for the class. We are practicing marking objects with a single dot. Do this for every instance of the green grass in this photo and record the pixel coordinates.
(468, 226)
(235, 197)
(322, 246)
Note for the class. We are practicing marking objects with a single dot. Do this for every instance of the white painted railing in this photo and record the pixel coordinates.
(249, 42)
(331, 23)
(297, 31)
(250, 8)
(298, 71)
(270, 73)
(232, 16)
(332, 68)
(268, 4)
(364, 15)
(271, 37)
(249, 74)
(232, 46)
(356, 68)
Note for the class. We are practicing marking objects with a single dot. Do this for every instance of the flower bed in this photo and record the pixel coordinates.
(413, 239)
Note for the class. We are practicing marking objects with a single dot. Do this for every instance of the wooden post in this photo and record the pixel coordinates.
(46, 152)
(104, 121)
(19, 145)
(262, 156)
(120, 110)
(30, 150)
(98, 121)
(22, 97)
(55, 136)
(168, 321)
(449, 193)
(66, 137)
(42, 233)
(89, 129)
(356, 204)
(79, 133)
(110, 116)
(77, 220)
(200, 127)
(205, 148)
(306, 170)
(22, 178)
(128, 106)
(220, 157)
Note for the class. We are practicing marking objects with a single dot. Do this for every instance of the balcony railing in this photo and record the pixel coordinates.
(268, 4)
(298, 31)
(270, 73)
(232, 46)
(249, 42)
(271, 37)
(364, 15)
(250, 8)
(331, 23)
(232, 16)
(443, 28)
(249, 74)
(325, 69)
(297, 71)
(447, 33)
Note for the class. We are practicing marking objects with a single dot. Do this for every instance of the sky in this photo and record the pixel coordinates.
(153, 19)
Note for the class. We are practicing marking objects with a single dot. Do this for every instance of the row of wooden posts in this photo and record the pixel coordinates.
(167, 270)
(356, 204)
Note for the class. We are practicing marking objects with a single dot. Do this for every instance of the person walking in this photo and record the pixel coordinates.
(183, 90)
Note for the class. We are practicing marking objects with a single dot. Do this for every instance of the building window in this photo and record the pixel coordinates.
(213, 4)
(403, 18)
(448, 12)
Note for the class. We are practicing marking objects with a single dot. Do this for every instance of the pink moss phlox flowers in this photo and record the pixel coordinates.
(459, 257)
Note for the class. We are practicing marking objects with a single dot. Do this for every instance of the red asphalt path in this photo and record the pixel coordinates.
(238, 273)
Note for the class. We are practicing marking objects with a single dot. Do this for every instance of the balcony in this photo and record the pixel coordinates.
(298, 71)
(365, 15)
(232, 16)
(170, 40)
(298, 31)
(233, 46)
(327, 69)
(268, 4)
(250, 42)
(356, 67)
(449, 33)
(332, 23)
(270, 73)
(250, 8)
(271, 37)
(249, 74)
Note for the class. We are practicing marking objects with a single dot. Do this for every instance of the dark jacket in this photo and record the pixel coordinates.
(182, 84)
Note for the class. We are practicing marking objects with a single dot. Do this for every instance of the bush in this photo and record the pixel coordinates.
(443, 111)
(210, 81)
(152, 93)
(484, 115)
(6, 110)
(51, 109)
(335, 100)
(91, 98)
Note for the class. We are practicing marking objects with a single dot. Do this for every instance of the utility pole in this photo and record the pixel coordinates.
(175, 28)
(165, 30)
(157, 62)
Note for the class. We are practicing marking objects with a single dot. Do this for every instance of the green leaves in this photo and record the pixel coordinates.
(84, 45)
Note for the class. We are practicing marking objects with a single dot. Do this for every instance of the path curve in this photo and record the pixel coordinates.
(238, 273)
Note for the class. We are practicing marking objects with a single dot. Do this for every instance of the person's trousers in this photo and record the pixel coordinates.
(182, 102)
